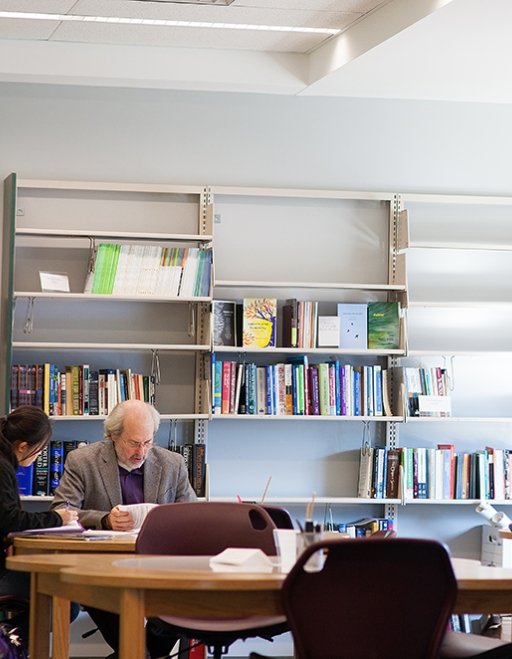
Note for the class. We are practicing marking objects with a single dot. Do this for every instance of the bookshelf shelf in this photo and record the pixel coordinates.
(107, 298)
(58, 347)
(115, 235)
(59, 227)
(102, 417)
(305, 417)
(308, 285)
(308, 351)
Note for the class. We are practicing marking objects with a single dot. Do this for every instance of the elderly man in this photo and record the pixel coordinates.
(125, 468)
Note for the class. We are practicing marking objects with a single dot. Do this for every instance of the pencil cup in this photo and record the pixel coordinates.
(286, 545)
(304, 540)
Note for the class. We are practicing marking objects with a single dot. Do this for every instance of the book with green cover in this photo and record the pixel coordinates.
(383, 325)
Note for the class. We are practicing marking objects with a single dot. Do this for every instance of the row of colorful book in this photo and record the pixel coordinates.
(299, 388)
(125, 269)
(195, 460)
(435, 473)
(427, 391)
(43, 476)
(254, 323)
(77, 389)
(365, 526)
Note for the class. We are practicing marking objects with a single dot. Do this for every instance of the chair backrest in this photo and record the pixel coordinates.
(205, 528)
(373, 599)
(280, 516)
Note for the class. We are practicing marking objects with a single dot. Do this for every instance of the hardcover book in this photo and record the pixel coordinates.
(259, 322)
(25, 478)
(353, 325)
(42, 473)
(383, 325)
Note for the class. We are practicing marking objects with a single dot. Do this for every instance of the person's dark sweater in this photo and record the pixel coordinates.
(12, 516)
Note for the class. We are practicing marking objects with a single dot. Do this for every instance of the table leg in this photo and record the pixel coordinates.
(60, 617)
(132, 635)
(39, 627)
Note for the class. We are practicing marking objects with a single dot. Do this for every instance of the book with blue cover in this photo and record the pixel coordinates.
(353, 319)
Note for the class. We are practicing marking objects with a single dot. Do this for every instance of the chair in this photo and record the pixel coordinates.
(207, 528)
(374, 598)
(280, 516)
(459, 645)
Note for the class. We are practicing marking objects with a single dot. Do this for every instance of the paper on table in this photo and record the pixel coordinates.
(238, 559)
(138, 511)
(72, 527)
(108, 534)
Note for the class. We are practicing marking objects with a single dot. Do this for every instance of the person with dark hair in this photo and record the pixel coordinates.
(24, 433)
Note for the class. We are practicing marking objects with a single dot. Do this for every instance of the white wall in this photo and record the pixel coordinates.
(243, 139)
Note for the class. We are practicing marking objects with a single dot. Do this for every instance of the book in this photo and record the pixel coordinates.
(25, 478)
(41, 479)
(383, 325)
(199, 469)
(224, 318)
(364, 487)
(289, 323)
(56, 464)
(328, 331)
(259, 322)
(353, 321)
(392, 474)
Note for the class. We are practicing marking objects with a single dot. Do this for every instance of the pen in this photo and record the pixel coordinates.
(266, 489)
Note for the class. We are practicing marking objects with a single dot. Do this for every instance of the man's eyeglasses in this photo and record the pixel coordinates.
(143, 445)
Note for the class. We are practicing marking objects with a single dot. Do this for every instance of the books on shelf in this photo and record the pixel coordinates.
(259, 322)
(437, 473)
(77, 390)
(298, 387)
(194, 456)
(426, 391)
(43, 476)
(127, 269)
(383, 325)
(365, 526)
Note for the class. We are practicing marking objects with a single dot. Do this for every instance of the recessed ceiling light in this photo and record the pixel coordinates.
(158, 22)
(193, 2)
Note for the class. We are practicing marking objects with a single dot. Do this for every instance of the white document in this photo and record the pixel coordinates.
(73, 527)
(138, 511)
(238, 559)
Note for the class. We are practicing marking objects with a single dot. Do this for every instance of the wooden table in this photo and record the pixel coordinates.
(139, 586)
(481, 588)
(36, 544)
(146, 586)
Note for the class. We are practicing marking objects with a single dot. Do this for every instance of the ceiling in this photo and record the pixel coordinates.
(417, 49)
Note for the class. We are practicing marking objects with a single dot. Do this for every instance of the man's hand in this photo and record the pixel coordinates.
(119, 520)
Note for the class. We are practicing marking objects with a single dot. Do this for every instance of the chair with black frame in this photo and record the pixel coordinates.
(385, 598)
(207, 528)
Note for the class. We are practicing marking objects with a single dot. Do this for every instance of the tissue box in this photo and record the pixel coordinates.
(496, 549)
